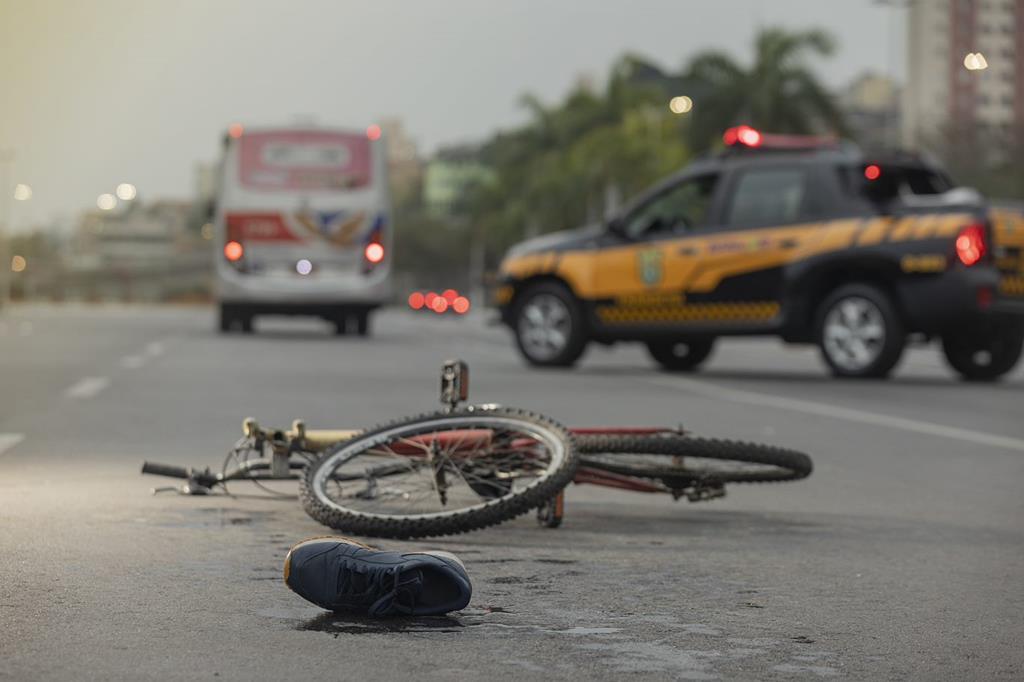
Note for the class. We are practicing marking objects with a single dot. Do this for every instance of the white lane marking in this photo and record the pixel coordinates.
(87, 387)
(133, 361)
(152, 350)
(847, 413)
(9, 440)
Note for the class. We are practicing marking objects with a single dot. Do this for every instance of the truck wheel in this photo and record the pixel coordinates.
(549, 326)
(859, 332)
(986, 355)
(680, 355)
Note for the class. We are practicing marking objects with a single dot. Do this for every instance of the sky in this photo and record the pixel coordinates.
(100, 92)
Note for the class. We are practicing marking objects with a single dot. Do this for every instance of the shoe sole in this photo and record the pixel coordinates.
(443, 555)
(318, 538)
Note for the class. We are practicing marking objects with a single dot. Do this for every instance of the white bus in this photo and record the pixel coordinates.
(302, 226)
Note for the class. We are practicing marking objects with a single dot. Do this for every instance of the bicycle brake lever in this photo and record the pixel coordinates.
(190, 488)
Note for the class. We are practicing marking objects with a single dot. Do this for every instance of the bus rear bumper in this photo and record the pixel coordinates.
(326, 310)
(279, 294)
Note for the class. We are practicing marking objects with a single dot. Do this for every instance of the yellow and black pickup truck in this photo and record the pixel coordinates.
(808, 240)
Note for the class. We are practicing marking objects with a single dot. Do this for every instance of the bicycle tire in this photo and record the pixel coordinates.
(487, 513)
(786, 464)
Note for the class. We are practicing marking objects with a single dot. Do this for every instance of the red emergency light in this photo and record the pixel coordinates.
(745, 136)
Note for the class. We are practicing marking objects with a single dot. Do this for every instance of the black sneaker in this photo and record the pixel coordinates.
(343, 575)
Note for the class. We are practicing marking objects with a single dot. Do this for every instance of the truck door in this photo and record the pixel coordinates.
(642, 281)
(768, 215)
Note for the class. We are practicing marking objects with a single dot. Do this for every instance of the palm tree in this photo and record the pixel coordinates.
(778, 93)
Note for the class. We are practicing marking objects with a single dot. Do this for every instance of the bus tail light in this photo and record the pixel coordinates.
(374, 252)
(234, 251)
(373, 246)
(971, 245)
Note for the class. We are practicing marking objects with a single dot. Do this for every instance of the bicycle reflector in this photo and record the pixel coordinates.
(971, 246)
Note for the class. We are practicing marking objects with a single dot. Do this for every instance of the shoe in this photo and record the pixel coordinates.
(340, 574)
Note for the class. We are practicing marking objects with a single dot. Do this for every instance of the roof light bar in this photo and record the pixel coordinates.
(751, 138)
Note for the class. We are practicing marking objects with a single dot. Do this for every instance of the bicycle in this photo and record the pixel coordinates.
(470, 467)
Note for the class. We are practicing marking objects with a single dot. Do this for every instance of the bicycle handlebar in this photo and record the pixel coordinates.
(203, 478)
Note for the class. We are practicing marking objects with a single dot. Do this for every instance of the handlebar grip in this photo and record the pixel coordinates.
(164, 470)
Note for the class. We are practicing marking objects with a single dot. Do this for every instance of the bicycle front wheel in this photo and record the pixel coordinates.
(439, 474)
(681, 461)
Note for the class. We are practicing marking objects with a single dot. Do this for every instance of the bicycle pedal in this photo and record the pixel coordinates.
(705, 493)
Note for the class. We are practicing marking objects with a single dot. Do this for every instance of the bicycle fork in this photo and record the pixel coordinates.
(436, 461)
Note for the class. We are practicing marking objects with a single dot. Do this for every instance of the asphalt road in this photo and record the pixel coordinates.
(900, 558)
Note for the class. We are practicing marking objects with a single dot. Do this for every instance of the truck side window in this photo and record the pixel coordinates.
(680, 208)
(768, 196)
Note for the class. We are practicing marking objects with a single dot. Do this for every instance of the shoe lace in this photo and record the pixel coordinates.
(379, 587)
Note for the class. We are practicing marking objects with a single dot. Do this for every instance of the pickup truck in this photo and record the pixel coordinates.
(807, 239)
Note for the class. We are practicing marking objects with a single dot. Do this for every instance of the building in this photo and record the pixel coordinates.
(871, 108)
(942, 95)
(405, 169)
(137, 252)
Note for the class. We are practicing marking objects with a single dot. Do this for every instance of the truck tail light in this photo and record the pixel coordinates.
(971, 245)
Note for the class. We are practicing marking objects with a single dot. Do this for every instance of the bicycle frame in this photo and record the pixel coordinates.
(291, 449)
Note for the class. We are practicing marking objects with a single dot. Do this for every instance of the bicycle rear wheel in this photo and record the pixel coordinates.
(681, 461)
(439, 474)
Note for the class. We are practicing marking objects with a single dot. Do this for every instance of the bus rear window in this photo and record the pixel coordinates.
(304, 160)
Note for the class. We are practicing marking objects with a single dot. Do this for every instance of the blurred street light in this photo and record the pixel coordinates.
(235, 130)
(680, 105)
(106, 202)
(975, 61)
(22, 192)
(126, 191)
(18, 263)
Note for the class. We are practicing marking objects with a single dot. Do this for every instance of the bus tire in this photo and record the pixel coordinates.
(225, 320)
(363, 323)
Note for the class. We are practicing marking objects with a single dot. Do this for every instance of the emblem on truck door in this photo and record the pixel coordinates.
(649, 266)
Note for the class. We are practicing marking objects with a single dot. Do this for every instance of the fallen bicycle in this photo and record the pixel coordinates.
(472, 466)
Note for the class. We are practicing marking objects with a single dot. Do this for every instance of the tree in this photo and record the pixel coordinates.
(778, 92)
